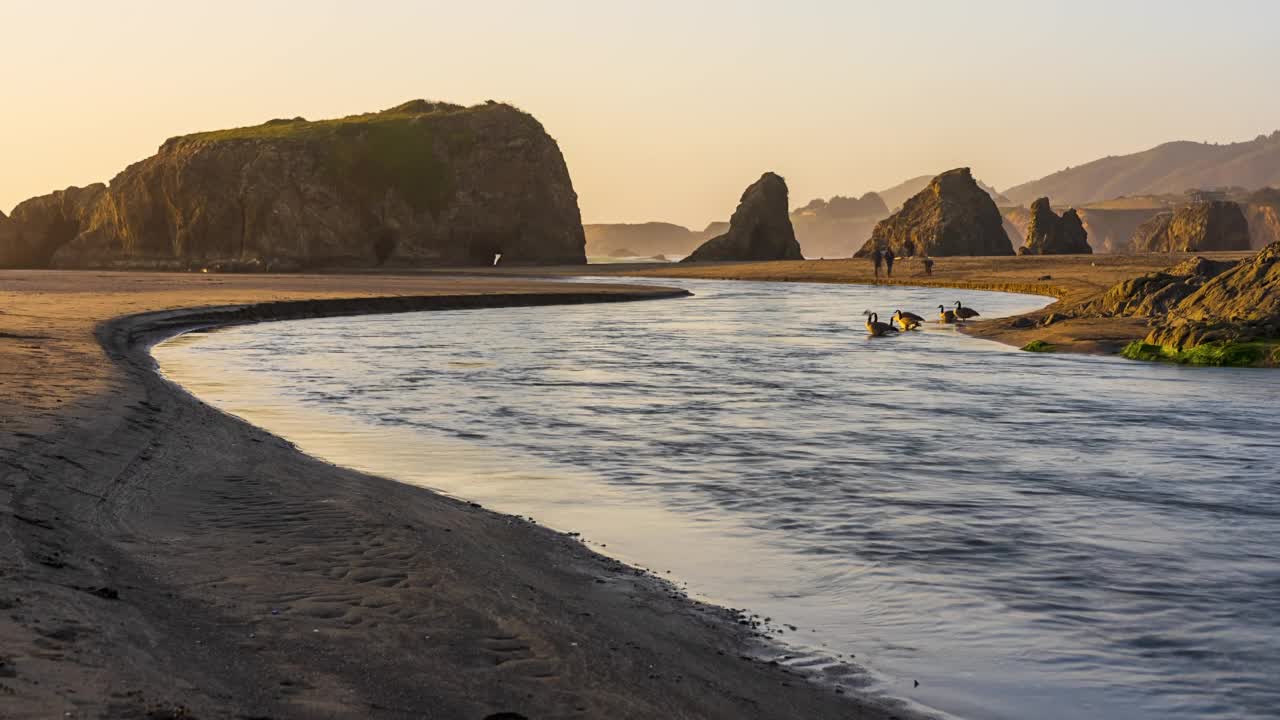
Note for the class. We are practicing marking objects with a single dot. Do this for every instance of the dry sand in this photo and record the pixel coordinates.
(159, 559)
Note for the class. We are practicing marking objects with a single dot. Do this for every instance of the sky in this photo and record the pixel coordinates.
(664, 110)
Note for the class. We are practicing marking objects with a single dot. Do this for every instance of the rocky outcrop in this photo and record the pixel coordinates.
(423, 183)
(1241, 304)
(1155, 294)
(1198, 227)
(760, 228)
(1051, 234)
(39, 226)
(953, 215)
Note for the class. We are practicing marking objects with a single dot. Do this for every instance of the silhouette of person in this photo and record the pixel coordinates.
(928, 265)
(876, 259)
(888, 261)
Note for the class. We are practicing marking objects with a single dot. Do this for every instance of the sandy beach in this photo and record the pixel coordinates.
(164, 560)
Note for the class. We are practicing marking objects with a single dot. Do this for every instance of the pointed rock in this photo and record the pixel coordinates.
(760, 228)
(952, 216)
(1053, 234)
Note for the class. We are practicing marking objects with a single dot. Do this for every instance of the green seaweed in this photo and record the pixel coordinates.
(1215, 354)
(1038, 346)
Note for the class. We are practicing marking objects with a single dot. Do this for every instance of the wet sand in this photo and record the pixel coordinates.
(160, 558)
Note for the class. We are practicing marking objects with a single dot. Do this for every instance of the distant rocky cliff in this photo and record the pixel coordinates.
(952, 216)
(1051, 234)
(760, 228)
(644, 239)
(839, 226)
(1263, 213)
(423, 183)
(1197, 227)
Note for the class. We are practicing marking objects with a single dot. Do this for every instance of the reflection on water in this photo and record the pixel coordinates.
(1027, 535)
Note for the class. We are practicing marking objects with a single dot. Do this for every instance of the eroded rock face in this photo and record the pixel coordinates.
(1051, 234)
(760, 228)
(42, 224)
(952, 216)
(423, 183)
(1199, 227)
(1153, 295)
(1241, 304)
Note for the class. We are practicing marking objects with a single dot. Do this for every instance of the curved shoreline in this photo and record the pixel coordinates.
(173, 556)
(1069, 278)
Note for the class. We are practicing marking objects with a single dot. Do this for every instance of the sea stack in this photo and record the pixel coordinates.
(1051, 234)
(953, 215)
(423, 183)
(1198, 227)
(760, 228)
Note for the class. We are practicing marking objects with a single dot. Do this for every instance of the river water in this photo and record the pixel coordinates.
(1025, 535)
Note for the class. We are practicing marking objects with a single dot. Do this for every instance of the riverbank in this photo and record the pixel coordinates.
(1069, 278)
(161, 559)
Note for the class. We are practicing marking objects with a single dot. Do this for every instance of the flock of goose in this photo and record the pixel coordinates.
(911, 321)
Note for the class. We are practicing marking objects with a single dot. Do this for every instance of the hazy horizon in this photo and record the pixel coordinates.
(664, 112)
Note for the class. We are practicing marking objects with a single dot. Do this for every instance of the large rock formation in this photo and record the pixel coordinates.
(1198, 227)
(952, 216)
(422, 183)
(1051, 234)
(41, 225)
(760, 228)
(1241, 304)
(895, 197)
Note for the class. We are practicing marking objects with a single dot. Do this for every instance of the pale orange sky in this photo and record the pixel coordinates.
(664, 110)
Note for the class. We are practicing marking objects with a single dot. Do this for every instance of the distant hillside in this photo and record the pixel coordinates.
(839, 226)
(895, 196)
(641, 239)
(1169, 168)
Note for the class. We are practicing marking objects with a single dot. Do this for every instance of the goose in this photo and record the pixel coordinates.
(907, 320)
(946, 316)
(877, 328)
(964, 313)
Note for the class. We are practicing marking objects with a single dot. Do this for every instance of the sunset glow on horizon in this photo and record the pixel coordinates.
(664, 111)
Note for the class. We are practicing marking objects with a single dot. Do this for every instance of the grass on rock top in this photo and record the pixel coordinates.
(375, 152)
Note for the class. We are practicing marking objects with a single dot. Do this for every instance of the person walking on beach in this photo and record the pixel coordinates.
(876, 259)
(928, 265)
(888, 261)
